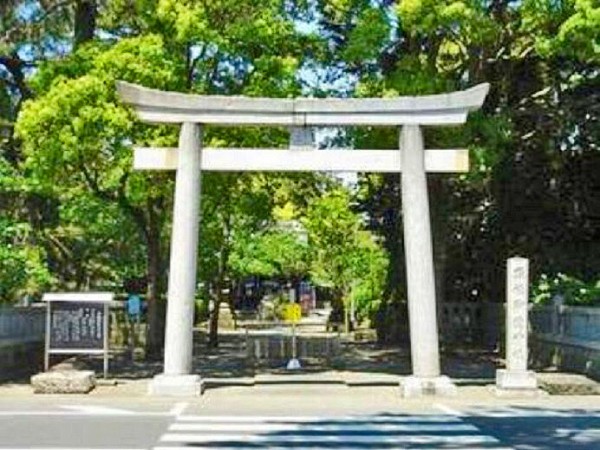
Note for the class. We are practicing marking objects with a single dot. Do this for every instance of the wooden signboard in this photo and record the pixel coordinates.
(77, 323)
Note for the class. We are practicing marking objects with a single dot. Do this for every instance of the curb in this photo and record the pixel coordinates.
(295, 379)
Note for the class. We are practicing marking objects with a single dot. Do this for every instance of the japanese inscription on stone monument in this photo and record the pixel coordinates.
(516, 314)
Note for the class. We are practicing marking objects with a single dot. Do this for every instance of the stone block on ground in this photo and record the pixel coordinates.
(64, 382)
(568, 384)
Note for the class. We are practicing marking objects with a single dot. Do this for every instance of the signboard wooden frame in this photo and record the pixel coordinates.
(101, 299)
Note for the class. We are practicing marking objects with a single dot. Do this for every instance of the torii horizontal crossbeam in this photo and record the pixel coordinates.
(173, 107)
(284, 160)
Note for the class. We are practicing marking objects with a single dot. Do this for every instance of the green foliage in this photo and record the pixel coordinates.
(269, 254)
(343, 255)
(572, 290)
(460, 24)
(77, 215)
(533, 146)
(332, 229)
(22, 265)
(77, 128)
(233, 207)
(75, 121)
(368, 37)
(580, 33)
(201, 309)
(569, 28)
(371, 266)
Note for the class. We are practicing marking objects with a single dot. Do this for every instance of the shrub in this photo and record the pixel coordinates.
(574, 291)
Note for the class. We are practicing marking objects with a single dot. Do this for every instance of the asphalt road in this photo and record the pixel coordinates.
(298, 417)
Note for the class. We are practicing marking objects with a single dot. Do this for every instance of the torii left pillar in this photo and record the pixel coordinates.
(177, 378)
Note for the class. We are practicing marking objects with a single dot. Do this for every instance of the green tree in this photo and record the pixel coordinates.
(76, 129)
(271, 253)
(30, 32)
(533, 146)
(343, 255)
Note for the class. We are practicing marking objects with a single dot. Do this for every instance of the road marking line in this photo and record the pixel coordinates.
(334, 438)
(317, 419)
(178, 408)
(446, 409)
(271, 427)
(69, 448)
(80, 413)
(97, 410)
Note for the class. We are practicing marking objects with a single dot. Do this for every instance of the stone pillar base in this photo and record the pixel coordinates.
(516, 383)
(414, 386)
(176, 385)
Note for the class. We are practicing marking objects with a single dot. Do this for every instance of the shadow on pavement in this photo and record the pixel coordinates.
(466, 366)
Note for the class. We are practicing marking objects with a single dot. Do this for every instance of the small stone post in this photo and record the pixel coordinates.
(420, 277)
(177, 378)
(516, 377)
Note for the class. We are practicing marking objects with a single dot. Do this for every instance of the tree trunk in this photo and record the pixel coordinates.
(346, 315)
(85, 21)
(213, 335)
(213, 332)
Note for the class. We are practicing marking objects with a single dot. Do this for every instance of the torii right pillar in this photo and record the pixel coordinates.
(426, 377)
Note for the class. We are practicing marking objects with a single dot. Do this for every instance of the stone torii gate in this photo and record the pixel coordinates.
(412, 160)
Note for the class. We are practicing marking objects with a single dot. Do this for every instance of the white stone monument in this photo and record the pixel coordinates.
(516, 378)
(409, 114)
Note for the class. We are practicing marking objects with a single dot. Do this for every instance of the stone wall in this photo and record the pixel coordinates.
(477, 324)
(566, 337)
(21, 340)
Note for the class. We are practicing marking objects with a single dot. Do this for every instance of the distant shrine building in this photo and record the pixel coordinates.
(411, 159)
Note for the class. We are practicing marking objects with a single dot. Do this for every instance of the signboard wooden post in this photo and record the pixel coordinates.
(77, 323)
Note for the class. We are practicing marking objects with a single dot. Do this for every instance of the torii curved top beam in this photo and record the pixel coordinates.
(173, 107)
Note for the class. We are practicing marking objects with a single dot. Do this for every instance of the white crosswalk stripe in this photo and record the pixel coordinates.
(358, 432)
